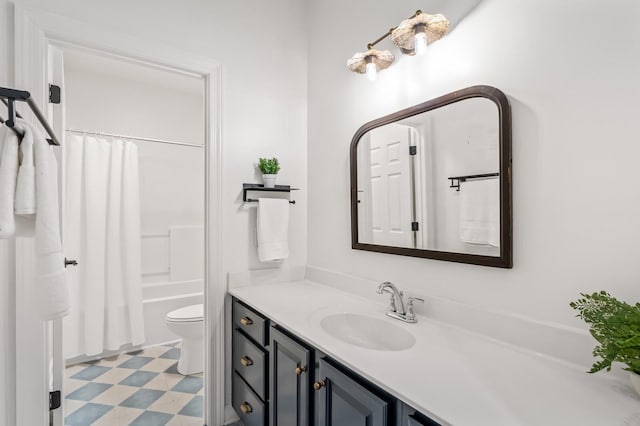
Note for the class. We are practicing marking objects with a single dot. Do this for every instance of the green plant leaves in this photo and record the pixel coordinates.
(616, 327)
(268, 166)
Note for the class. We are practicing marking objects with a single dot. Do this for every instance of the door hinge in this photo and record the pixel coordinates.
(413, 150)
(415, 226)
(54, 94)
(55, 400)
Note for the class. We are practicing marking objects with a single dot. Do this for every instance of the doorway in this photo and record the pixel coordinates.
(36, 33)
(132, 198)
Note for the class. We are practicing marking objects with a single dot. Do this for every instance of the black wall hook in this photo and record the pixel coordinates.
(11, 120)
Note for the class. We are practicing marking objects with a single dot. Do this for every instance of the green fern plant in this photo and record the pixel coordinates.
(268, 166)
(616, 327)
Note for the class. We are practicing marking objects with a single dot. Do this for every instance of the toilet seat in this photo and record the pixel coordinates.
(193, 313)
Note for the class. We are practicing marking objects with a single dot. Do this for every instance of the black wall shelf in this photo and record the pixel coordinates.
(260, 188)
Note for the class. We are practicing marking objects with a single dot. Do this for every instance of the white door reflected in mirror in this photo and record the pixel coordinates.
(405, 198)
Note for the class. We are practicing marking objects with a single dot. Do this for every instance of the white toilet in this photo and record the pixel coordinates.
(188, 323)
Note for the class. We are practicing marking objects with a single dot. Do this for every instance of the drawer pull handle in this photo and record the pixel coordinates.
(246, 361)
(300, 370)
(319, 385)
(246, 321)
(246, 408)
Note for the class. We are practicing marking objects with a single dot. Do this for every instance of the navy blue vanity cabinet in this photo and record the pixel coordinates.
(250, 361)
(344, 401)
(290, 380)
(411, 417)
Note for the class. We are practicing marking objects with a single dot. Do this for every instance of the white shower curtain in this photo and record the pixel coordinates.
(102, 231)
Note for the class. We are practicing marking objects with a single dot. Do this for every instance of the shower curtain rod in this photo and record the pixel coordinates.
(135, 138)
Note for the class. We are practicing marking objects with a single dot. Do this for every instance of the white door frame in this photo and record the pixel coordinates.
(34, 30)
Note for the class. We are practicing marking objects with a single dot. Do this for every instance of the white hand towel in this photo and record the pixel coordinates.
(273, 229)
(480, 211)
(53, 293)
(25, 200)
(8, 175)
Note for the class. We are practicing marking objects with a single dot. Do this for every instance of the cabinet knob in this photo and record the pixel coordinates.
(319, 385)
(300, 370)
(246, 408)
(246, 321)
(246, 361)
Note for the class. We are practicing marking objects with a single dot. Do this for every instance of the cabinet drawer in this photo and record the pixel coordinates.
(251, 363)
(249, 321)
(247, 404)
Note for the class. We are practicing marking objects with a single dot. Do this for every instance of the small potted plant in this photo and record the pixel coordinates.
(269, 168)
(616, 327)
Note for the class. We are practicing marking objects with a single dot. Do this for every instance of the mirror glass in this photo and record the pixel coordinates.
(434, 180)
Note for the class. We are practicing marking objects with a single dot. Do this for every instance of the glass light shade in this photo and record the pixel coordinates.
(420, 44)
(371, 71)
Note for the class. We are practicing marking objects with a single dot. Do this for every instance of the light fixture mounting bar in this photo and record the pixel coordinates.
(388, 33)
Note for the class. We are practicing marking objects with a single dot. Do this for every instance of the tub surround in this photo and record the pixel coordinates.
(453, 375)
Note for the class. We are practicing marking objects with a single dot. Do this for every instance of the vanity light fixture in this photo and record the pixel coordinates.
(411, 36)
(370, 62)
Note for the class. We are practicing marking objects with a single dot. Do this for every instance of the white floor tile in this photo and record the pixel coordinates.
(109, 419)
(164, 404)
(159, 365)
(126, 415)
(72, 384)
(114, 376)
(180, 399)
(114, 395)
(71, 405)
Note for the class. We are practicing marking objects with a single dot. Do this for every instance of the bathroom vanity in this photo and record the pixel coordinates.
(309, 354)
(280, 379)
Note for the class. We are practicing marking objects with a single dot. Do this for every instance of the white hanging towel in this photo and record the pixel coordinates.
(8, 174)
(273, 229)
(480, 211)
(25, 200)
(53, 293)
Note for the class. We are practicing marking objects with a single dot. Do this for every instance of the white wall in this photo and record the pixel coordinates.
(573, 86)
(261, 47)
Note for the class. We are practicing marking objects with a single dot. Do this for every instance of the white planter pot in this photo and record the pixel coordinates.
(635, 381)
(269, 181)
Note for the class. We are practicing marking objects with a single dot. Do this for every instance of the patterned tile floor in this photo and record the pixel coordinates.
(139, 388)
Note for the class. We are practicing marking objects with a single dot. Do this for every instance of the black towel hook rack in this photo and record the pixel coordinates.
(9, 97)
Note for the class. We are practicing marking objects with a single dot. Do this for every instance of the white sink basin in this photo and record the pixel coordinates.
(367, 332)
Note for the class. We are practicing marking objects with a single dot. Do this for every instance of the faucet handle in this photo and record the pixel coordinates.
(411, 316)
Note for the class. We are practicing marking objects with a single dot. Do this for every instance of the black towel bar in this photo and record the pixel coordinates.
(9, 97)
(464, 178)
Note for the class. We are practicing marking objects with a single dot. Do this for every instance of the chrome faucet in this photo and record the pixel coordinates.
(396, 303)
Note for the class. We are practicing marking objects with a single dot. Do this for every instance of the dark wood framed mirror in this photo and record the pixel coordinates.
(434, 180)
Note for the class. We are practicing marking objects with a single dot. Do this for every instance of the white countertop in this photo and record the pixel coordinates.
(454, 376)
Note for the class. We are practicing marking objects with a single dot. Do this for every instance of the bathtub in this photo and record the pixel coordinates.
(158, 298)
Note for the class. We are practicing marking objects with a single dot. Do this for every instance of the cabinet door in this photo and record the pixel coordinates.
(345, 402)
(290, 381)
(411, 417)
